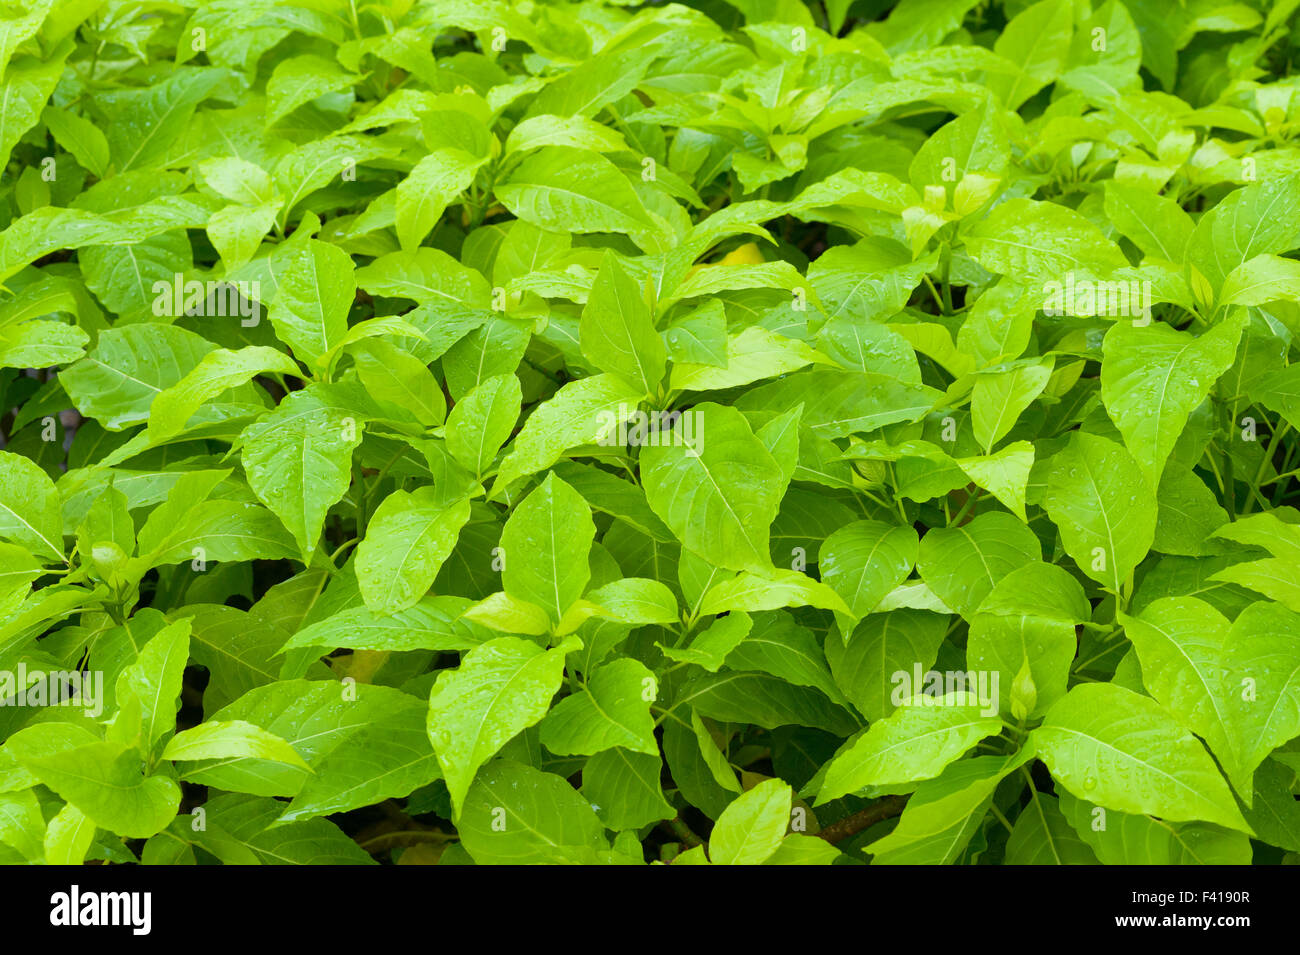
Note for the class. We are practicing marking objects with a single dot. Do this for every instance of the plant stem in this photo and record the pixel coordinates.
(934, 292)
(945, 258)
(1263, 466)
(682, 831)
(359, 492)
(864, 819)
(966, 509)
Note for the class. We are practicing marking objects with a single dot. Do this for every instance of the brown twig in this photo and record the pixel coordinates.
(682, 831)
(849, 826)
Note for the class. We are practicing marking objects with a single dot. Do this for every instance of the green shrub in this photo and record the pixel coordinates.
(733, 432)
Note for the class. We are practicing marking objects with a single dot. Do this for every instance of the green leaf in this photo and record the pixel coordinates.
(617, 330)
(1274, 815)
(1245, 224)
(1001, 396)
(1004, 474)
(148, 122)
(1156, 224)
(68, 837)
(128, 368)
(30, 510)
(706, 783)
(434, 183)
(20, 22)
(216, 531)
(719, 766)
(1037, 40)
(1263, 279)
(502, 686)
(432, 623)
(216, 372)
(973, 143)
(546, 542)
(517, 815)
(579, 132)
(1262, 677)
(962, 564)
(1153, 378)
(24, 92)
(408, 539)
(1189, 514)
(392, 374)
(883, 645)
(750, 830)
(318, 718)
(500, 611)
(153, 681)
(1107, 744)
(623, 787)
(134, 281)
(636, 600)
(581, 412)
(50, 228)
(237, 180)
(298, 460)
(495, 348)
(720, 497)
(1100, 501)
(1003, 644)
(770, 590)
(563, 189)
(219, 740)
(21, 824)
(915, 743)
(865, 560)
(776, 644)
(39, 344)
(20, 569)
(710, 647)
(389, 757)
(944, 813)
(1042, 836)
(236, 232)
(299, 80)
(1270, 577)
(314, 164)
(769, 701)
(247, 831)
(1180, 642)
(482, 421)
(1041, 242)
(999, 324)
(1120, 838)
(1039, 589)
(103, 780)
(310, 311)
(796, 849)
(839, 403)
(611, 709)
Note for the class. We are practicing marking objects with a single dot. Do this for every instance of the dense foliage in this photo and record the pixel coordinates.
(727, 432)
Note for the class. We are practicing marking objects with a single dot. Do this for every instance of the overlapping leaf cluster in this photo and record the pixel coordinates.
(488, 431)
